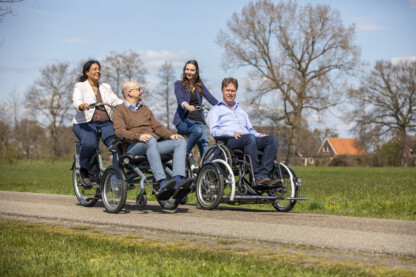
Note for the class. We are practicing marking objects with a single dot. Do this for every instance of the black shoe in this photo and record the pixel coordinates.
(167, 188)
(85, 179)
(182, 188)
(274, 183)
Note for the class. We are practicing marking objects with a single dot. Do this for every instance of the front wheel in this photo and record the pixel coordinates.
(209, 186)
(114, 189)
(87, 196)
(288, 188)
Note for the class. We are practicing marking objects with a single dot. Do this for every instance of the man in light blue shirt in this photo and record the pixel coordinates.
(228, 119)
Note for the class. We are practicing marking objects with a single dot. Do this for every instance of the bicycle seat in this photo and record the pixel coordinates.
(128, 158)
(240, 152)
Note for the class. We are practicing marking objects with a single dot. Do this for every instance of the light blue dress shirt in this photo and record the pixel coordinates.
(131, 107)
(224, 121)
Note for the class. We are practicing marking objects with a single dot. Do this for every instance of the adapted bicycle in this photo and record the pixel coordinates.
(111, 184)
(227, 176)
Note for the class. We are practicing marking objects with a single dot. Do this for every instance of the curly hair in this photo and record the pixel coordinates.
(195, 82)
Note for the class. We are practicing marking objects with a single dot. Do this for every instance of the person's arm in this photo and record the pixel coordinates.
(214, 124)
(210, 98)
(77, 97)
(158, 128)
(180, 94)
(114, 100)
(249, 126)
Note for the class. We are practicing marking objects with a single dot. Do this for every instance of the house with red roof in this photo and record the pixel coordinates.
(332, 147)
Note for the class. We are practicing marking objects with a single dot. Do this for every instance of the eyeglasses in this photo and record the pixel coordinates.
(139, 89)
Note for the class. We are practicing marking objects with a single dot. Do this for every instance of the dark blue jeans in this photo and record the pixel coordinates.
(250, 144)
(87, 135)
(197, 135)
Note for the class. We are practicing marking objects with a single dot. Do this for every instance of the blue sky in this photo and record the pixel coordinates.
(47, 31)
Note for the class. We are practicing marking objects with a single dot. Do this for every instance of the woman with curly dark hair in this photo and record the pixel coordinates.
(87, 120)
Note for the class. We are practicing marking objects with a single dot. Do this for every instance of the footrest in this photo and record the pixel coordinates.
(93, 198)
(256, 199)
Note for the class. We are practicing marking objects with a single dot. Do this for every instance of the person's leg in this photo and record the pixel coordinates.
(177, 147)
(248, 143)
(107, 136)
(187, 127)
(203, 142)
(268, 145)
(150, 149)
(87, 135)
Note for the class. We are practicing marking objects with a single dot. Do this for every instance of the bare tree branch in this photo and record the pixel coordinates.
(294, 52)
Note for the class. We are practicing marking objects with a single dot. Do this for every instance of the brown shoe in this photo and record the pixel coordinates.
(262, 182)
(273, 182)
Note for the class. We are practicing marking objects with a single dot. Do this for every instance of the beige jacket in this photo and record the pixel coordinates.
(83, 93)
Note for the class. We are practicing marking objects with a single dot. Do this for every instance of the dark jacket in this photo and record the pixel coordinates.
(182, 96)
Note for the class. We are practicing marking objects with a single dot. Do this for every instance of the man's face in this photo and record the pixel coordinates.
(229, 92)
(136, 92)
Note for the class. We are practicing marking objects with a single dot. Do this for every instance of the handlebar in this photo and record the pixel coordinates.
(96, 105)
(202, 107)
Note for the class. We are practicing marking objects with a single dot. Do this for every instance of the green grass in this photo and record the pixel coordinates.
(38, 250)
(387, 192)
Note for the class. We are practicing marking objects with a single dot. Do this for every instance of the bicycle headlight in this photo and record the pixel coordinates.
(299, 181)
(126, 161)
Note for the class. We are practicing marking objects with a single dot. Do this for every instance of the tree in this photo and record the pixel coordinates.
(294, 52)
(5, 130)
(5, 8)
(119, 68)
(31, 137)
(321, 135)
(385, 103)
(15, 105)
(164, 94)
(50, 97)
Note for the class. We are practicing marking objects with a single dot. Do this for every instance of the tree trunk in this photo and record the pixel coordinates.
(292, 146)
(402, 145)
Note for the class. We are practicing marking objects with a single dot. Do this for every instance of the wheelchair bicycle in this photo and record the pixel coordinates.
(222, 166)
(112, 183)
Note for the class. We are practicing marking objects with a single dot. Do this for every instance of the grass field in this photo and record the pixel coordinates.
(28, 249)
(37, 250)
(352, 191)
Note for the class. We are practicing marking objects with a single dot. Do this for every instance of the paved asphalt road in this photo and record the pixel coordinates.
(397, 237)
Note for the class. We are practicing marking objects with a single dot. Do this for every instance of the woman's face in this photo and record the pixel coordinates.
(94, 73)
(190, 71)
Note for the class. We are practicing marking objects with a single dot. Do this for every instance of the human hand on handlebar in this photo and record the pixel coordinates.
(238, 134)
(145, 137)
(83, 107)
(190, 108)
(176, 136)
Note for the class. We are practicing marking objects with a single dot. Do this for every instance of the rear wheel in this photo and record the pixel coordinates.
(114, 189)
(209, 186)
(87, 196)
(288, 188)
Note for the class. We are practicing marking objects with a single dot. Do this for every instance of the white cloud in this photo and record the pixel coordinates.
(73, 40)
(368, 27)
(408, 58)
(155, 59)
